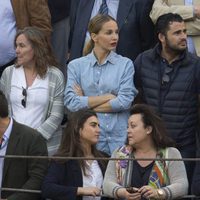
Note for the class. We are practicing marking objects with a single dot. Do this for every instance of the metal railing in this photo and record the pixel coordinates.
(88, 158)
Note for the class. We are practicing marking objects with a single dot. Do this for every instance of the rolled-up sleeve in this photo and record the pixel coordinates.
(127, 90)
(71, 100)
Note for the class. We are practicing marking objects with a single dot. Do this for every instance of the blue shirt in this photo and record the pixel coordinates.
(7, 32)
(3, 148)
(114, 76)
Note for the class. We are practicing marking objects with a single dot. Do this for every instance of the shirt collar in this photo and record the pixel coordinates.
(181, 56)
(110, 58)
(7, 133)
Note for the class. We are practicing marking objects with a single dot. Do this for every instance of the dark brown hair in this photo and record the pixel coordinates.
(94, 26)
(71, 145)
(164, 21)
(43, 53)
(150, 118)
(3, 105)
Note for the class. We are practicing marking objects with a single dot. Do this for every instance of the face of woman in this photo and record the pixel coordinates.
(24, 51)
(89, 134)
(137, 133)
(107, 37)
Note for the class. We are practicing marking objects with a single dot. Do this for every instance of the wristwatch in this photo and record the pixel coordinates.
(161, 193)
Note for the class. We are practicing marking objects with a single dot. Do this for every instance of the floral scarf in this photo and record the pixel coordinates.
(159, 174)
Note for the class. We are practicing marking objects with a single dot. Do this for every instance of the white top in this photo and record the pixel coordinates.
(37, 98)
(94, 179)
(3, 148)
(7, 32)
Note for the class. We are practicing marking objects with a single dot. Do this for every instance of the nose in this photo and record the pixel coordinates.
(98, 129)
(184, 35)
(17, 50)
(115, 36)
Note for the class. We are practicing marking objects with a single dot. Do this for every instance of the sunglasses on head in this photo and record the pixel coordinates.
(23, 101)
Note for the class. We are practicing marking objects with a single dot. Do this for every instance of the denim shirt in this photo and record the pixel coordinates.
(114, 76)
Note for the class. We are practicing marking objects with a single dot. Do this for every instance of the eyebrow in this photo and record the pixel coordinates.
(96, 123)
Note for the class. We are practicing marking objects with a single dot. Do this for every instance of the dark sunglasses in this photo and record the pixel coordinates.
(165, 77)
(24, 93)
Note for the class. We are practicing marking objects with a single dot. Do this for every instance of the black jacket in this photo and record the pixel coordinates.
(177, 101)
(63, 179)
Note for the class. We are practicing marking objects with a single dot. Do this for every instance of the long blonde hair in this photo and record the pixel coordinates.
(94, 26)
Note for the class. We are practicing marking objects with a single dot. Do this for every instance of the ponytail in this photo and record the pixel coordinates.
(88, 47)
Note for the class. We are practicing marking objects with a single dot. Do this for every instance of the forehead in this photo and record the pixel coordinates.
(92, 119)
(175, 26)
(22, 38)
(135, 118)
(109, 25)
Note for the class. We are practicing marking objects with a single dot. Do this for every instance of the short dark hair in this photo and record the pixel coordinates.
(163, 22)
(150, 118)
(3, 105)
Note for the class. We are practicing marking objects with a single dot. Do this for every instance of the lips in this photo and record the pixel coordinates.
(114, 44)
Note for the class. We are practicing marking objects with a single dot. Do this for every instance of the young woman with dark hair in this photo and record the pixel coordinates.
(146, 179)
(77, 179)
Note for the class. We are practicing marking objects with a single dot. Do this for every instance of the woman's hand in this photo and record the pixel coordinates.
(89, 191)
(123, 193)
(149, 192)
(78, 90)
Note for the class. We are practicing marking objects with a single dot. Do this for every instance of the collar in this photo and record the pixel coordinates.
(110, 58)
(7, 133)
(158, 49)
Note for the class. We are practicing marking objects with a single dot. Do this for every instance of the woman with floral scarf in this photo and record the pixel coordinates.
(148, 172)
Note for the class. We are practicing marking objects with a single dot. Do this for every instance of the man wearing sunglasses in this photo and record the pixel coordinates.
(168, 79)
(19, 140)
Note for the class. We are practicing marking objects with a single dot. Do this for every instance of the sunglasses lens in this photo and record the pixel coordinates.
(24, 93)
(168, 70)
(165, 78)
(23, 102)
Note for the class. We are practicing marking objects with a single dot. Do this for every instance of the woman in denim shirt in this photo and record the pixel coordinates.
(103, 81)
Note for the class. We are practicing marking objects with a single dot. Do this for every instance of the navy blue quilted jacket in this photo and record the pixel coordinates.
(177, 103)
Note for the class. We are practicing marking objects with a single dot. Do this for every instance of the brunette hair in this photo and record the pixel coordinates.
(94, 26)
(71, 145)
(3, 105)
(43, 53)
(150, 118)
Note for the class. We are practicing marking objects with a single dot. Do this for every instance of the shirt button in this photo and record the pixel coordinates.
(109, 138)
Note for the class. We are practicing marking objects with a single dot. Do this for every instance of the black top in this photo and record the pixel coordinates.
(140, 175)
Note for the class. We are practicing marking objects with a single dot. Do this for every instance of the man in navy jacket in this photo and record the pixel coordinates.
(167, 78)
